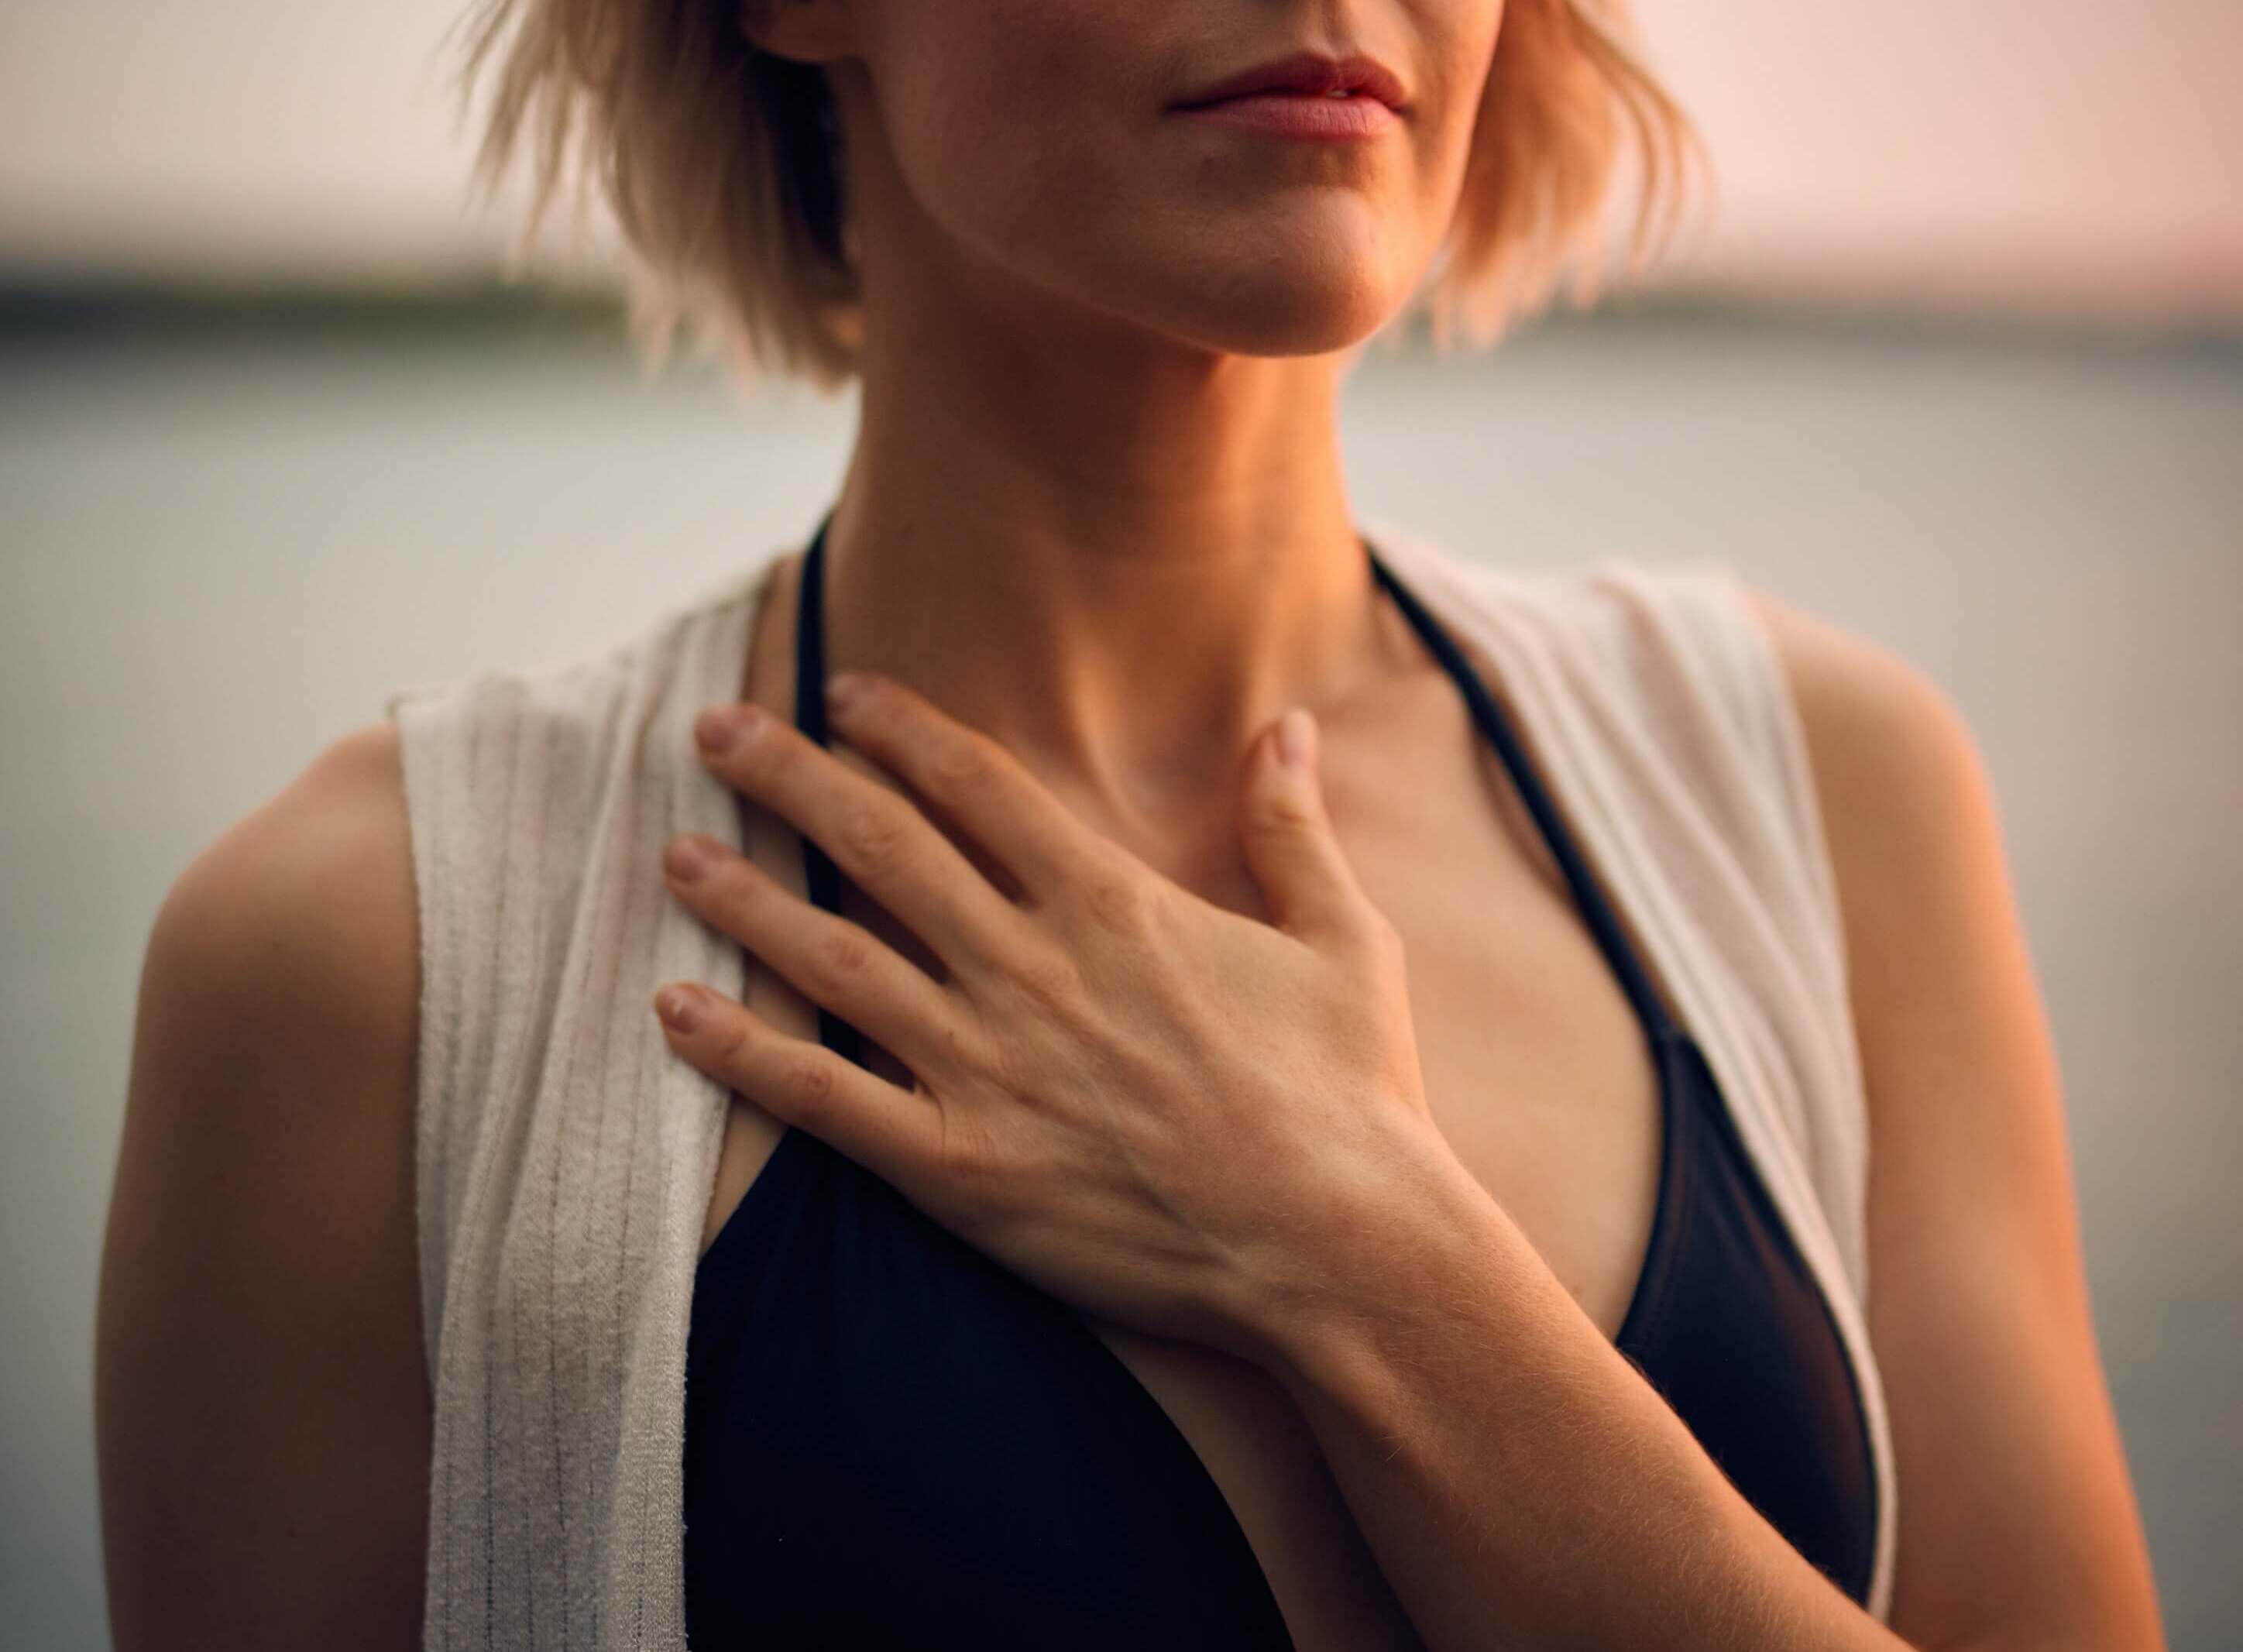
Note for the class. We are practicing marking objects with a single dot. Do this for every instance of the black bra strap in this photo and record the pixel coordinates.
(818, 870)
(1594, 909)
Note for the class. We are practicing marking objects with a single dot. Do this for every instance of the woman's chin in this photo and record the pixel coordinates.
(1293, 319)
(1301, 290)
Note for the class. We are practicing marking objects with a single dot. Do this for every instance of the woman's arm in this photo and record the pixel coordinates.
(262, 1412)
(1522, 1485)
(2018, 1521)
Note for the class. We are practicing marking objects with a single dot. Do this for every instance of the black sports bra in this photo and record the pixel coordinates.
(892, 1440)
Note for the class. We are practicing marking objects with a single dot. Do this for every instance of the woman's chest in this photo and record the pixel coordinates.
(1537, 1073)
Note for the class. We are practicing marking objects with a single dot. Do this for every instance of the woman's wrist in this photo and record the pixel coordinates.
(1311, 1306)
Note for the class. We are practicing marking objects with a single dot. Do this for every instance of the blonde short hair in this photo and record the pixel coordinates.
(718, 162)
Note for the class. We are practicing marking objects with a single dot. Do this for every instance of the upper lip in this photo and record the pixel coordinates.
(1312, 73)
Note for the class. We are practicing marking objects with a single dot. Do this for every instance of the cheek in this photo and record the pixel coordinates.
(1007, 126)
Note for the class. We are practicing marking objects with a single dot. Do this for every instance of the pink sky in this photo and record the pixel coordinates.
(2049, 155)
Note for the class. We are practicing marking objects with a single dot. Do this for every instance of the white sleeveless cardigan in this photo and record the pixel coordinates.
(566, 1158)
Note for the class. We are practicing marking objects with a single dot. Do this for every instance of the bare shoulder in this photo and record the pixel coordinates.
(261, 1406)
(306, 905)
(2017, 1516)
(1917, 850)
(1908, 810)
(1873, 719)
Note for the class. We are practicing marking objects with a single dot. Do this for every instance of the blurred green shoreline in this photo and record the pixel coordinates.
(46, 312)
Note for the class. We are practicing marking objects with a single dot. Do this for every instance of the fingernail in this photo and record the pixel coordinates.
(1294, 736)
(687, 859)
(719, 728)
(680, 1007)
(844, 690)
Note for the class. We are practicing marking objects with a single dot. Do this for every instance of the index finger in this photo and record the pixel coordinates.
(885, 845)
(972, 777)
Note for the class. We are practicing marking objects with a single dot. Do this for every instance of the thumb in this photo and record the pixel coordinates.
(1291, 847)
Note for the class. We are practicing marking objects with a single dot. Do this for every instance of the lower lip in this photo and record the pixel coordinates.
(1297, 115)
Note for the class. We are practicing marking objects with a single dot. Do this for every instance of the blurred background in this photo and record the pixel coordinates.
(1958, 362)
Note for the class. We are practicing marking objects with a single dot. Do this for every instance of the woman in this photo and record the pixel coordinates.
(1059, 1216)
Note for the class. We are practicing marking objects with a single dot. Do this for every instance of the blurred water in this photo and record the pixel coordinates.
(216, 557)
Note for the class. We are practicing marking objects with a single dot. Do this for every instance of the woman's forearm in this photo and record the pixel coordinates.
(1519, 1482)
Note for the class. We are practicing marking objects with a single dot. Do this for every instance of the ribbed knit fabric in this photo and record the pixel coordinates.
(566, 1158)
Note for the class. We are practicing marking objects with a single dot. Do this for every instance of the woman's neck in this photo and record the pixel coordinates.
(1124, 589)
